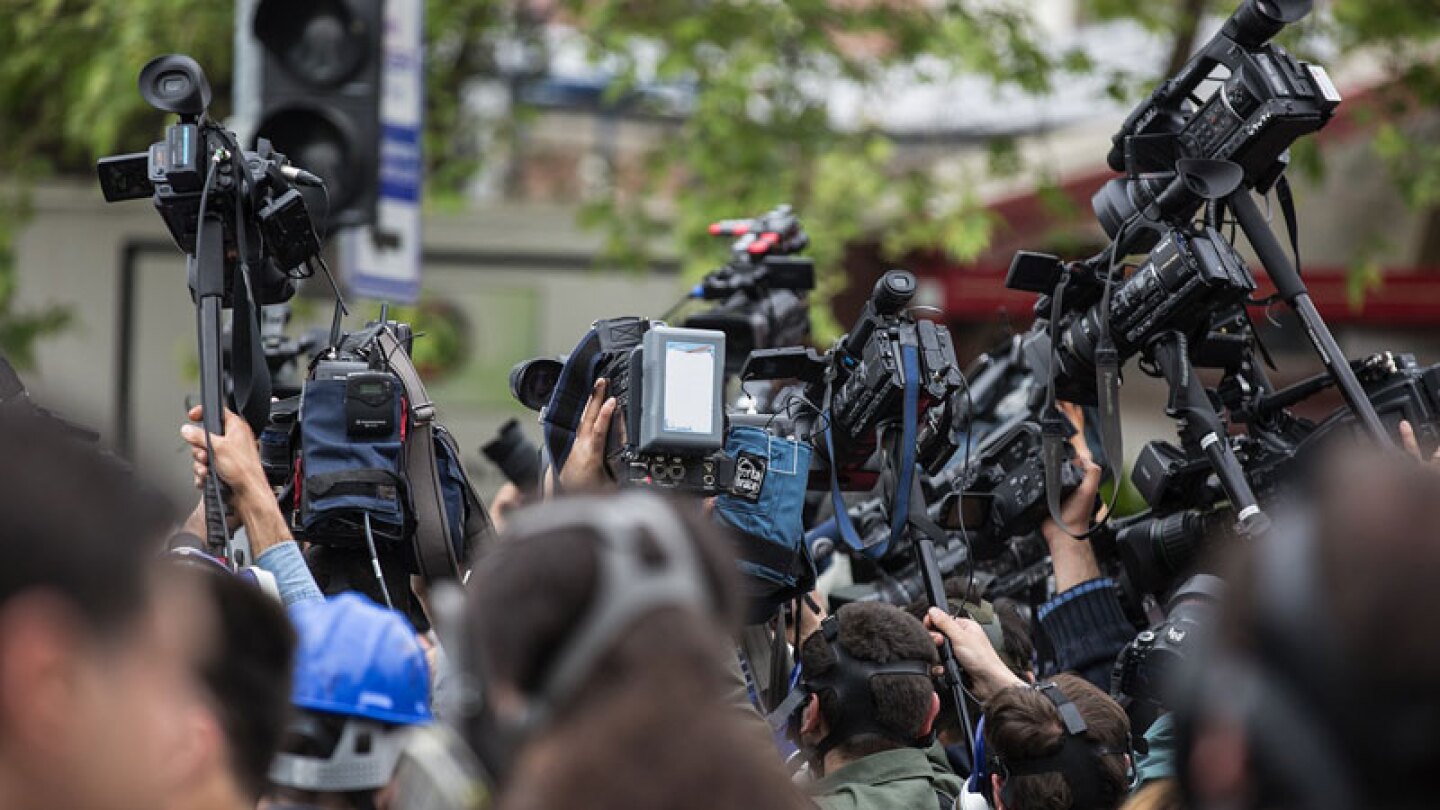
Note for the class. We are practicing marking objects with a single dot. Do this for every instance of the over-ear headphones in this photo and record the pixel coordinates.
(848, 683)
(1077, 761)
(632, 582)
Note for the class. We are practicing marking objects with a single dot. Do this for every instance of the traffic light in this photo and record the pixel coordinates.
(320, 97)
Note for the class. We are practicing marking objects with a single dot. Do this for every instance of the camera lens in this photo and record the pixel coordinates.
(1155, 550)
(533, 381)
(516, 457)
(1256, 21)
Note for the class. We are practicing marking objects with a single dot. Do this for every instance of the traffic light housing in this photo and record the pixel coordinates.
(320, 97)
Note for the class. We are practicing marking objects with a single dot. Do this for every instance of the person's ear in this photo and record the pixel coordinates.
(40, 677)
(931, 715)
(812, 722)
(996, 783)
(202, 745)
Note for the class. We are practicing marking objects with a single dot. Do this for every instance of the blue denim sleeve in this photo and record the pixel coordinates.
(293, 576)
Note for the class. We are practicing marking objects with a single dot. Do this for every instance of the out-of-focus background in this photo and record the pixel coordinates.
(571, 153)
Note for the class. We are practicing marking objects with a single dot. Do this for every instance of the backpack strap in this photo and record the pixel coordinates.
(434, 552)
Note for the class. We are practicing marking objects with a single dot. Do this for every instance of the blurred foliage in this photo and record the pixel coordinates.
(759, 129)
(762, 132)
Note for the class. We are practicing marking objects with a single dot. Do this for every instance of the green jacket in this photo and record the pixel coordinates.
(901, 779)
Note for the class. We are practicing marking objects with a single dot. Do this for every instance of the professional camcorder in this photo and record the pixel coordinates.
(859, 386)
(246, 230)
(762, 289)
(199, 170)
(669, 383)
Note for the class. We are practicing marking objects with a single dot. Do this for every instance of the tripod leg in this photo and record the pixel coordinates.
(1292, 289)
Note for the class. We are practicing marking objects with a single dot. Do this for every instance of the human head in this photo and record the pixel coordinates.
(1037, 762)
(892, 709)
(634, 596)
(94, 672)
(361, 682)
(244, 663)
(1323, 686)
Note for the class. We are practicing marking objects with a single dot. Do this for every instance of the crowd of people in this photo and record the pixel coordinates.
(602, 653)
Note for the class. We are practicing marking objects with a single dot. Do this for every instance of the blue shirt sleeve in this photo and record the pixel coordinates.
(292, 575)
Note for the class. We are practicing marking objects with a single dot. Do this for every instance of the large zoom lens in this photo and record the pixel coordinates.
(1155, 550)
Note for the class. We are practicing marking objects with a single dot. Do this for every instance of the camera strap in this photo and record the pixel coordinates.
(837, 499)
(249, 373)
(434, 549)
(900, 511)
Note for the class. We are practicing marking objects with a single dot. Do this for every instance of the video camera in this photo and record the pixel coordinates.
(669, 382)
(1189, 516)
(199, 170)
(858, 387)
(247, 233)
(1264, 101)
(1190, 274)
(670, 386)
(761, 290)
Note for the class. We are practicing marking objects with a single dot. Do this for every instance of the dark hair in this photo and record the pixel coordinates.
(627, 738)
(880, 633)
(75, 522)
(246, 671)
(1015, 631)
(1022, 724)
(529, 592)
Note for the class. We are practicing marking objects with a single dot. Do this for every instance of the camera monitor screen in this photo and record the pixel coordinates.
(683, 389)
(689, 384)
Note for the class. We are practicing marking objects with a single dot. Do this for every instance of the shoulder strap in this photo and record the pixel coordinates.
(434, 551)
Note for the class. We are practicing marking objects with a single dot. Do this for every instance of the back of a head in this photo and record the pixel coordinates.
(361, 679)
(532, 592)
(246, 670)
(1327, 656)
(74, 523)
(645, 721)
(900, 704)
(1023, 725)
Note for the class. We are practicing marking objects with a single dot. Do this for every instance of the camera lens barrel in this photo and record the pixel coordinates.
(515, 455)
(1156, 549)
(1255, 22)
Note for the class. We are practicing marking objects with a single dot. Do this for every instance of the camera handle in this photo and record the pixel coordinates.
(207, 284)
(1198, 422)
(1292, 289)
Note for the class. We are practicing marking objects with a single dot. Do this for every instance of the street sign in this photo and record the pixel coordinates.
(383, 260)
